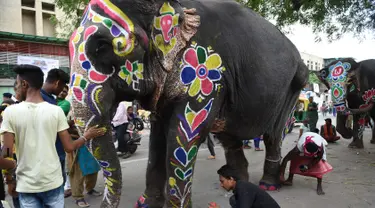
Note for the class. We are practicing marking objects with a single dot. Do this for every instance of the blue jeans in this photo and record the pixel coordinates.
(49, 199)
(256, 142)
(62, 162)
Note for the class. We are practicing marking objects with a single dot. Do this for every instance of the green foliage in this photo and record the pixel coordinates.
(73, 10)
(313, 78)
(331, 17)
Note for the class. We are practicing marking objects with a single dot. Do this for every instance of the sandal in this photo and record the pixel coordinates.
(258, 149)
(67, 193)
(82, 203)
(94, 193)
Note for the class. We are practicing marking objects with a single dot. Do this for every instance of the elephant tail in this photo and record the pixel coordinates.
(301, 77)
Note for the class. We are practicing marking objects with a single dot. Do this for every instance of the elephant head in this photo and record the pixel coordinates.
(130, 46)
(124, 50)
(341, 77)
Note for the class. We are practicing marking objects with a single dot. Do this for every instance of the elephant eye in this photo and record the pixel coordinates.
(102, 45)
(323, 73)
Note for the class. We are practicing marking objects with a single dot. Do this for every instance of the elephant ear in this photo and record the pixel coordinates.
(172, 29)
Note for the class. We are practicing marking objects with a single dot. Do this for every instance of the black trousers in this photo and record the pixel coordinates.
(210, 144)
(121, 139)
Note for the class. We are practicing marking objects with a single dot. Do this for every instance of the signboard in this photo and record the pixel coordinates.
(44, 63)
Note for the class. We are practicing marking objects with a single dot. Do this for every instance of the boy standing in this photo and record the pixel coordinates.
(33, 125)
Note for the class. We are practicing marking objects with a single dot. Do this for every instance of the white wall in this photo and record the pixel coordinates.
(312, 62)
(19, 19)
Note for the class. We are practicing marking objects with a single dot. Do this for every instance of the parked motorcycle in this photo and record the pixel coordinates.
(132, 135)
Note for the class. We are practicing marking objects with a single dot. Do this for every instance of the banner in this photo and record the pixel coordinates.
(44, 63)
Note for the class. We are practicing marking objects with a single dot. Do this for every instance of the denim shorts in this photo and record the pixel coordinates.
(49, 199)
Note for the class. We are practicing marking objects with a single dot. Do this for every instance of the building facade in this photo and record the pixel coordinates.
(314, 63)
(26, 30)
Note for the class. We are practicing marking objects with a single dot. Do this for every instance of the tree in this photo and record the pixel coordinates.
(331, 17)
(313, 79)
(73, 11)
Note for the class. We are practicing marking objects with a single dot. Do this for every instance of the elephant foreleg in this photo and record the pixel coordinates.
(270, 180)
(153, 196)
(373, 130)
(235, 156)
(358, 129)
(105, 152)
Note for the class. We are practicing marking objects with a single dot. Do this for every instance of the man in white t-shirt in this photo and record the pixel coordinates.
(32, 125)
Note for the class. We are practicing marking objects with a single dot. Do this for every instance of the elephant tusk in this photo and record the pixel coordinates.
(362, 110)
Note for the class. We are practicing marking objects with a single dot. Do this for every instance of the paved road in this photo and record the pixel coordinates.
(351, 184)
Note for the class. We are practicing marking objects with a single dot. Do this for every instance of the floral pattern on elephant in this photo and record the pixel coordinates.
(78, 85)
(288, 125)
(340, 107)
(369, 95)
(191, 121)
(200, 71)
(131, 73)
(93, 100)
(167, 23)
(93, 74)
(337, 75)
(179, 195)
(184, 155)
(338, 92)
(141, 202)
(339, 71)
(123, 43)
(107, 172)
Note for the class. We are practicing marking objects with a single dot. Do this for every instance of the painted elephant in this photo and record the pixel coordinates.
(352, 87)
(216, 66)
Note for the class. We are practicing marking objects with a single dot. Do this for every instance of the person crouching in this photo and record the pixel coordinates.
(328, 131)
(308, 158)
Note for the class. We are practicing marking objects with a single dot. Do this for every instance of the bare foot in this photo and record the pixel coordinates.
(211, 157)
(288, 183)
(320, 191)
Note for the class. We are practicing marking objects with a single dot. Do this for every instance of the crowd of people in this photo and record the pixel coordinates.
(36, 135)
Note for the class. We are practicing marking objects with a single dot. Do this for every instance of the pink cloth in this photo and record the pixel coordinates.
(317, 171)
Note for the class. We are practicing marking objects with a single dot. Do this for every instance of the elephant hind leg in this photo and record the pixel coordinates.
(234, 155)
(270, 180)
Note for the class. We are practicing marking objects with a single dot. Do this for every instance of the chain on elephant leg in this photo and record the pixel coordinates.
(270, 180)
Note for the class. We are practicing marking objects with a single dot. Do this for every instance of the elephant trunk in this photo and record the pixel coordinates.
(341, 127)
(362, 110)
